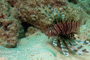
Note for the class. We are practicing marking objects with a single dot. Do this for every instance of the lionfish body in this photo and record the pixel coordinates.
(64, 30)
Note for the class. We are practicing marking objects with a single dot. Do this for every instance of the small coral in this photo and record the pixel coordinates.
(30, 31)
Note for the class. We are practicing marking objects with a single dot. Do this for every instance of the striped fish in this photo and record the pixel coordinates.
(64, 29)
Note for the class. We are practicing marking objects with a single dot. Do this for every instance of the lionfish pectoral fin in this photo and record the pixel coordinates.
(55, 42)
(64, 48)
(75, 48)
(86, 42)
(83, 42)
(70, 46)
(80, 48)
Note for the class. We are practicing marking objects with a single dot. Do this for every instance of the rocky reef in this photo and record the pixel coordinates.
(23, 18)
(10, 28)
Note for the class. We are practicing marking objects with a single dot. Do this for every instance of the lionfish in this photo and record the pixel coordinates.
(64, 31)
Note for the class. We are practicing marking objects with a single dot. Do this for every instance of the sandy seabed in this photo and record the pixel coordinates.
(36, 47)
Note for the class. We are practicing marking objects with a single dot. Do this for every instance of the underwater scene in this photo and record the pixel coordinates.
(44, 29)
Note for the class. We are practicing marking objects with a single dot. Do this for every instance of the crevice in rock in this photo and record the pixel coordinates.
(73, 1)
(25, 26)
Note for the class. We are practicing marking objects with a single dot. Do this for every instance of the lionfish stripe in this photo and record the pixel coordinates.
(70, 26)
(64, 25)
(73, 26)
(64, 50)
(61, 27)
(64, 28)
(67, 28)
(76, 25)
(54, 32)
(57, 29)
(49, 32)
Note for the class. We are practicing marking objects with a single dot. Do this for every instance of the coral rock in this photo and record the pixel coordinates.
(31, 30)
(29, 12)
(10, 31)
